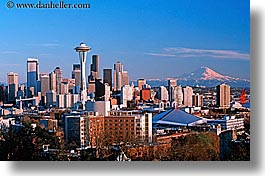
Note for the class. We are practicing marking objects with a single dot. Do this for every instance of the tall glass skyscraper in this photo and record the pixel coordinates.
(120, 77)
(32, 74)
(12, 86)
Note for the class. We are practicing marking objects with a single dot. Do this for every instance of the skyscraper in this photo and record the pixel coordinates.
(188, 92)
(2, 94)
(76, 74)
(140, 83)
(32, 74)
(59, 76)
(95, 67)
(71, 84)
(126, 94)
(107, 77)
(52, 80)
(51, 98)
(163, 93)
(120, 76)
(45, 84)
(64, 88)
(107, 92)
(223, 96)
(12, 86)
(171, 84)
(125, 78)
(179, 96)
(197, 100)
(76, 67)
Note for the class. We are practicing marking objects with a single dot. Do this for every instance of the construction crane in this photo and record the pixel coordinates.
(20, 100)
(243, 97)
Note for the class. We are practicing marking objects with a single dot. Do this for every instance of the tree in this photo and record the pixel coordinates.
(25, 143)
(195, 147)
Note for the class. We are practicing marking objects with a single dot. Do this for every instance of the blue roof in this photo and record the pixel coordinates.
(177, 117)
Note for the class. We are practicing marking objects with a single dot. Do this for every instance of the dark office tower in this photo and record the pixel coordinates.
(107, 77)
(2, 94)
(95, 67)
(76, 74)
(223, 96)
(76, 67)
(52, 81)
(32, 74)
(21, 91)
(12, 86)
(59, 76)
(100, 90)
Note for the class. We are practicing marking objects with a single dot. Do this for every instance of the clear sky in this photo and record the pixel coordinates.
(152, 38)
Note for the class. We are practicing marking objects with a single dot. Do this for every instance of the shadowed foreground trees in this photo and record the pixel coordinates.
(190, 147)
(196, 147)
(25, 143)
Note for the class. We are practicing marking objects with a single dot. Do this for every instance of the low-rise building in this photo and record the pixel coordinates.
(228, 123)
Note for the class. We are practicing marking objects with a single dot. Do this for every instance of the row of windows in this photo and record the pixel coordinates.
(119, 124)
(121, 120)
(120, 129)
(116, 133)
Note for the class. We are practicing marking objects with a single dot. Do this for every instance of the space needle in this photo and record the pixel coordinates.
(82, 50)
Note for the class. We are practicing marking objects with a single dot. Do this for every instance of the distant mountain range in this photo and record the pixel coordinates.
(203, 76)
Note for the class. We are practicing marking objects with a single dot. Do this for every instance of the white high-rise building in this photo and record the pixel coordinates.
(60, 101)
(197, 100)
(188, 92)
(144, 127)
(223, 95)
(74, 99)
(126, 94)
(163, 93)
(107, 92)
(67, 101)
(179, 96)
(102, 107)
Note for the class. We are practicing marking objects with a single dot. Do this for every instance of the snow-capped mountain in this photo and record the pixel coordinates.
(205, 76)
(205, 73)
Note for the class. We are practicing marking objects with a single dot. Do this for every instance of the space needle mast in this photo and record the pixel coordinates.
(82, 50)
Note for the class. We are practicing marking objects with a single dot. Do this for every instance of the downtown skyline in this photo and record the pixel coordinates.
(173, 37)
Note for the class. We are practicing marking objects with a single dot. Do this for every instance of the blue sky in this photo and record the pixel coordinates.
(152, 38)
